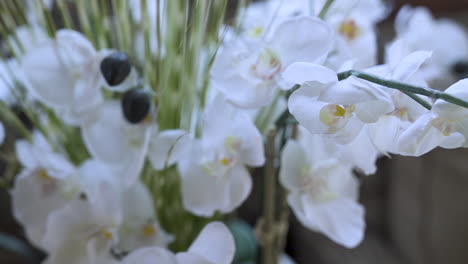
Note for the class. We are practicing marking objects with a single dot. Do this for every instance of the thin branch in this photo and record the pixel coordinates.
(325, 8)
(404, 87)
(419, 100)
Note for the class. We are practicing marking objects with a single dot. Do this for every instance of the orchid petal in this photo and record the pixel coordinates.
(153, 255)
(293, 160)
(341, 220)
(305, 108)
(409, 65)
(301, 72)
(215, 243)
(190, 258)
(305, 39)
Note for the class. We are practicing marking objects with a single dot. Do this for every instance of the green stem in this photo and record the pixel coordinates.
(407, 88)
(325, 8)
(264, 116)
(267, 226)
(6, 115)
(418, 99)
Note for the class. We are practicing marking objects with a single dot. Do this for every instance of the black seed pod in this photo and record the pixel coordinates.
(136, 104)
(115, 68)
(460, 68)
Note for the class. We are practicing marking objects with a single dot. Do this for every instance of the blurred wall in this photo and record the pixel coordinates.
(437, 6)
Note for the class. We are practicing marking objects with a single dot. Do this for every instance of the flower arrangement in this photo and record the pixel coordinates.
(139, 121)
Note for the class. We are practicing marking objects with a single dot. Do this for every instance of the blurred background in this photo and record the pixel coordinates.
(417, 208)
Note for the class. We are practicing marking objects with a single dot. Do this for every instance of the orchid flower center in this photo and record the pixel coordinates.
(224, 160)
(70, 188)
(401, 113)
(44, 175)
(447, 127)
(48, 184)
(349, 29)
(149, 230)
(316, 185)
(255, 32)
(267, 66)
(218, 166)
(336, 116)
(107, 234)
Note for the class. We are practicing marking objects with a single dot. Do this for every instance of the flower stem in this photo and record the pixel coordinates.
(418, 99)
(267, 223)
(7, 116)
(404, 87)
(325, 8)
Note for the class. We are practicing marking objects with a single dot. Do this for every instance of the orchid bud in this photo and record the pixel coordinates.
(136, 104)
(115, 68)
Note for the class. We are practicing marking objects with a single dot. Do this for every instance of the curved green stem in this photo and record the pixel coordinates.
(407, 88)
(418, 99)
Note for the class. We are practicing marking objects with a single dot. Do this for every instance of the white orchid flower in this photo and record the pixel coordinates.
(445, 126)
(356, 40)
(118, 143)
(405, 68)
(360, 153)
(85, 229)
(388, 129)
(250, 75)
(214, 245)
(214, 176)
(64, 74)
(322, 194)
(324, 105)
(258, 18)
(418, 30)
(140, 227)
(47, 182)
(354, 22)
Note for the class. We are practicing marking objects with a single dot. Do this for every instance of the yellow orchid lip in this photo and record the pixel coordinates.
(339, 111)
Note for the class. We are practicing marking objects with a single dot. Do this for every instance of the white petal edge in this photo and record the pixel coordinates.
(215, 243)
